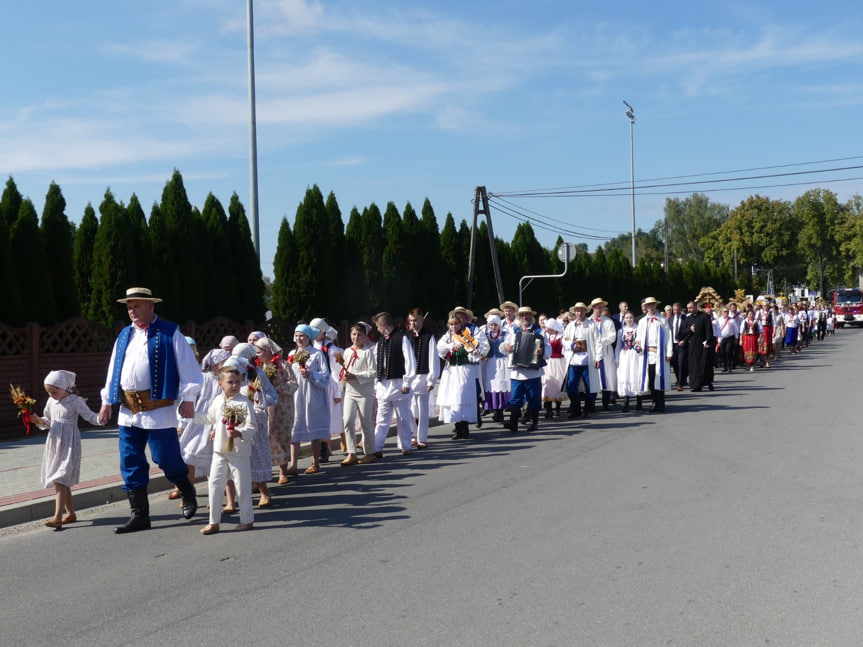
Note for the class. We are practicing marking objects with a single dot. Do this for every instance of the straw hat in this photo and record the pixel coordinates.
(580, 305)
(139, 294)
(526, 310)
(597, 302)
(650, 300)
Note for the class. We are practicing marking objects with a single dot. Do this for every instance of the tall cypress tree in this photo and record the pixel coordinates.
(437, 301)
(452, 276)
(307, 238)
(10, 290)
(85, 238)
(136, 222)
(394, 263)
(250, 279)
(334, 245)
(284, 268)
(182, 241)
(164, 283)
(372, 249)
(59, 246)
(10, 203)
(221, 286)
(31, 260)
(113, 263)
(355, 291)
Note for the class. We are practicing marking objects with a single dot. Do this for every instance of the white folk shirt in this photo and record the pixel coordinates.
(135, 376)
(578, 332)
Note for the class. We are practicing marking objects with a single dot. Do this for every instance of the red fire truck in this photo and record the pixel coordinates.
(848, 306)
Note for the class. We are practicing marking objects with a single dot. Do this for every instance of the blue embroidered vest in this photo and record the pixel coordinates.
(164, 376)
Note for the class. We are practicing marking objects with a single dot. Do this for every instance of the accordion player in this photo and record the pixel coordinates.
(524, 352)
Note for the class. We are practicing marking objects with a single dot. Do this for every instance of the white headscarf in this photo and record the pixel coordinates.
(61, 379)
(246, 351)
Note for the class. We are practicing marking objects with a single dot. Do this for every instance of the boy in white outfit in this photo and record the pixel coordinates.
(234, 424)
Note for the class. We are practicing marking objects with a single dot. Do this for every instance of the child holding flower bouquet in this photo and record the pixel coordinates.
(311, 399)
(61, 461)
(234, 425)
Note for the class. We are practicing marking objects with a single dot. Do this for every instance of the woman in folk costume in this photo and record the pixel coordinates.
(554, 377)
(311, 399)
(579, 350)
(628, 361)
(281, 419)
(764, 317)
(260, 391)
(653, 340)
(457, 396)
(605, 334)
(335, 359)
(750, 331)
(495, 370)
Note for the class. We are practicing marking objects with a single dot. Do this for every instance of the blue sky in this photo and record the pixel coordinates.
(386, 101)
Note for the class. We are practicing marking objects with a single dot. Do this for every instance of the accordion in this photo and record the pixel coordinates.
(524, 352)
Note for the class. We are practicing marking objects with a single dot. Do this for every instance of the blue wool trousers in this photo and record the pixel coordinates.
(529, 391)
(164, 448)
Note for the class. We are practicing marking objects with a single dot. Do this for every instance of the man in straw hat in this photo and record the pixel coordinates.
(605, 336)
(508, 321)
(579, 348)
(152, 367)
(653, 341)
(526, 376)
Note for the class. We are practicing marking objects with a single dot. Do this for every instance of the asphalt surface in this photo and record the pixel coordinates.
(733, 519)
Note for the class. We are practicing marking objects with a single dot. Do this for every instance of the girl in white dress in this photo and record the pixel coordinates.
(628, 361)
(554, 377)
(311, 399)
(61, 461)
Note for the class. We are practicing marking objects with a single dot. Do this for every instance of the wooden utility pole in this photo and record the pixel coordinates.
(480, 206)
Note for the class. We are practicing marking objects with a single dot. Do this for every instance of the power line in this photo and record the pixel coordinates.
(621, 185)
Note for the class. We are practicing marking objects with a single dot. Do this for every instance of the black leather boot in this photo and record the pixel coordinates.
(534, 419)
(325, 452)
(514, 414)
(575, 408)
(626, 404)
(557, 409)
(465, 429)
(638, 401)
(190, 497)
(548, 411)
(140, 519)
(497, 416)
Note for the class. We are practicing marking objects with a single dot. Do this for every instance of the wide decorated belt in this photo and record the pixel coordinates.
(138, 401)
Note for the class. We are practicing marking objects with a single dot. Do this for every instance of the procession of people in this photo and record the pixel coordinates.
(259, 405)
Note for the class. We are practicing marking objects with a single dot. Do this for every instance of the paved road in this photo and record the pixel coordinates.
(735, 519)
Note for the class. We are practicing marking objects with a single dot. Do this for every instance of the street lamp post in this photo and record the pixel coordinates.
(631, 114)
(253, 137)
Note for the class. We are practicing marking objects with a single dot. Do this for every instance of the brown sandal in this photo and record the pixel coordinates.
(174, 494)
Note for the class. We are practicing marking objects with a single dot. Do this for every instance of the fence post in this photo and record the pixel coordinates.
(33, 333)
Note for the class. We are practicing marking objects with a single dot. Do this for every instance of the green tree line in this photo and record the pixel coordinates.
(202, 261)
(196, 260)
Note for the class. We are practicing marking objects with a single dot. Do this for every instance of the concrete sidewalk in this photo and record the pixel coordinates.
(22, 497)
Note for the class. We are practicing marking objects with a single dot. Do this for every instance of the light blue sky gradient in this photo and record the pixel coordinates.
(399, 101)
